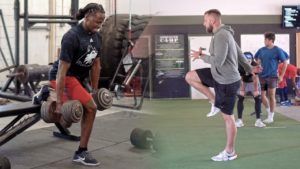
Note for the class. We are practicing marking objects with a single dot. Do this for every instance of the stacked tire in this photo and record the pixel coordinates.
(114, 34)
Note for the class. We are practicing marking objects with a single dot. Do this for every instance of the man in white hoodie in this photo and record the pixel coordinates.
(224, 59)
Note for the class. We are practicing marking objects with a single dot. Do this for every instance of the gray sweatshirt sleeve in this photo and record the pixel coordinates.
(220, 51)
(242, 60)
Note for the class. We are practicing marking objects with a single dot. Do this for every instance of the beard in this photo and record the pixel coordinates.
(209, 29)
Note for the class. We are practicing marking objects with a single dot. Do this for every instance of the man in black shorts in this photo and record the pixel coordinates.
(225, 55)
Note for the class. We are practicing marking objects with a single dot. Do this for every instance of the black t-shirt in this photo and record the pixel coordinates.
(80, 48)
(246, 77)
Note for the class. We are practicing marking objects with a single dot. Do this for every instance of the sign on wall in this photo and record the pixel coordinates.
(169, 66)
(169, 55)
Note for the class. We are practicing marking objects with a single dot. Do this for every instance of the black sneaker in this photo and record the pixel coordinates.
(85, 158)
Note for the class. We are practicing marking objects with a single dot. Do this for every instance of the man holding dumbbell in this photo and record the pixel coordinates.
(79, 56)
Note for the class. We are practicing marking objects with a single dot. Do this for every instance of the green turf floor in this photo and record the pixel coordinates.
(188, 138)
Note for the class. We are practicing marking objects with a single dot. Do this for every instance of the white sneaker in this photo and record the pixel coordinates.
(214, 110)
(269, 120)
(259, 123)
(239, 123)
(224, 156)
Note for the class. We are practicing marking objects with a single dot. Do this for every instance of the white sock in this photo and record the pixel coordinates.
(212, 106)
(271, 115)
(268, 110)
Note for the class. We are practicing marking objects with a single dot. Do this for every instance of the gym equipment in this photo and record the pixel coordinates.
(27, 114)
(125, 62)
(143, 139)
(26, 80)
(103, 99)
(71, 112)
(4, 163)
(48, 112)
(31, 73)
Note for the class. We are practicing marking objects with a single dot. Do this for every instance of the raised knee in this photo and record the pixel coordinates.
(188, 77)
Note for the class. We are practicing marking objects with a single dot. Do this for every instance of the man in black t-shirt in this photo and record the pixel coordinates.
(250, 83)
(80, 58)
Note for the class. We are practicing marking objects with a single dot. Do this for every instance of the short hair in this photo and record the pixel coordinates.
(270, 36)
(215, 12)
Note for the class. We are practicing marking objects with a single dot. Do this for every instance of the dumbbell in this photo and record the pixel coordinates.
(71, 112)
(143, 139)
(48, 112)
(4, 163)
(103, 99)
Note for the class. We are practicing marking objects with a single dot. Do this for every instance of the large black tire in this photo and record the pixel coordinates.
(114, 42)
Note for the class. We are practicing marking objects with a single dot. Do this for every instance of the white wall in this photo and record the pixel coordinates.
(198, 7)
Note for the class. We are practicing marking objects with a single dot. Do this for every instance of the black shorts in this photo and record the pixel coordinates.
(205, 77)
(226, 95)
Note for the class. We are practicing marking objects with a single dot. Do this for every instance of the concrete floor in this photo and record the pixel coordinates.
(109, 143)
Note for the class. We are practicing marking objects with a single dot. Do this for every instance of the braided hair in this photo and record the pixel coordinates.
(90, 8)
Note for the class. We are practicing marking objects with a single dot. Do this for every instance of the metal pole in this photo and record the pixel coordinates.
(115, 5)
(17, 31)
(3, 57)
(74, 7)
(7, 38)
(26, 25)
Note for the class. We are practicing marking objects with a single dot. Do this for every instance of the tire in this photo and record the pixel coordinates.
(114, 34)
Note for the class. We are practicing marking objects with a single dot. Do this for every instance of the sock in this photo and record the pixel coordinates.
(80, 150)
(257, 100)
(268, 110)
(212, 107)
(271, 115)
(240, 106)
(230, 154)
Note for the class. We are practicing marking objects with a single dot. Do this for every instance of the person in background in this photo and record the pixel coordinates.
(269, 57)
(290, 73)
(250, 83)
